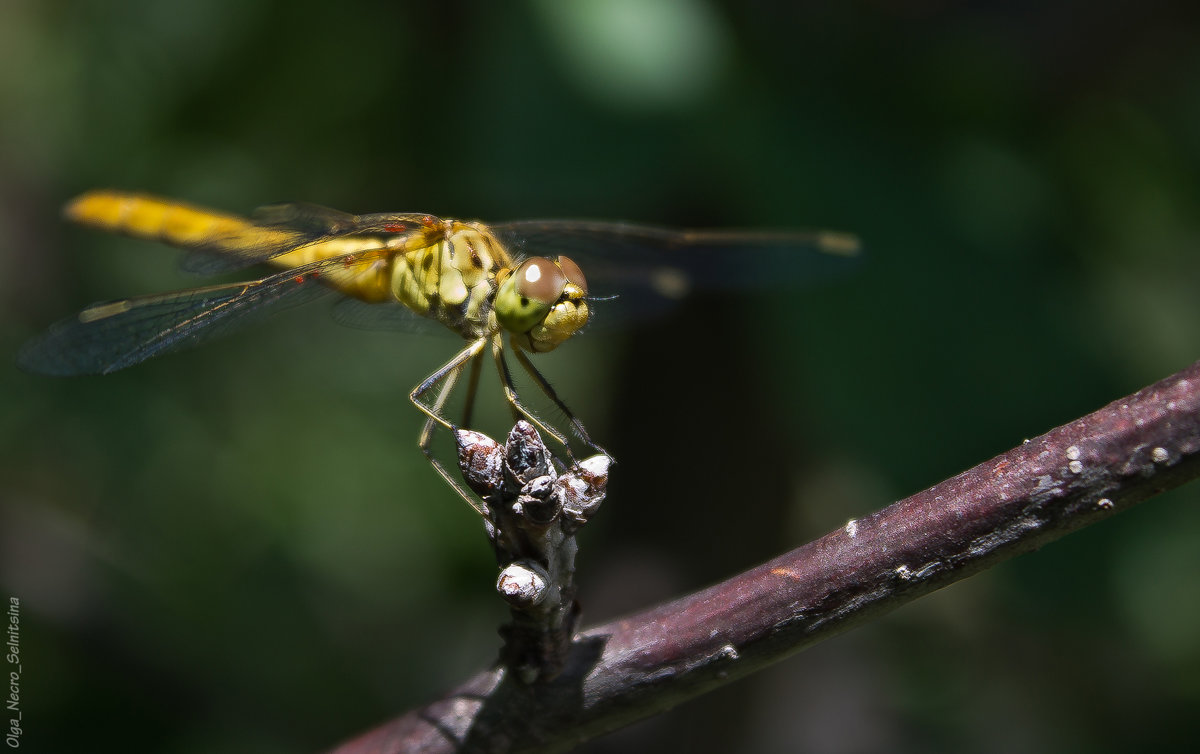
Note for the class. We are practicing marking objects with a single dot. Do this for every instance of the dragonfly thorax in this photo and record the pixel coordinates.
(453, 280)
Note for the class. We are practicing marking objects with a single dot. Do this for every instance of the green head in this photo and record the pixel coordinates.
(542, 303)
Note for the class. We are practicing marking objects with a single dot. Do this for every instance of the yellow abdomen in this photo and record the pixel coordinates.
(366, 277)
(171, 222)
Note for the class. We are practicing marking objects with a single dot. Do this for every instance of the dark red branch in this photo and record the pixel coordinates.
(622, 671)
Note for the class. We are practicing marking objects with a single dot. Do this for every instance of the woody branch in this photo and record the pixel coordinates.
(619, 672)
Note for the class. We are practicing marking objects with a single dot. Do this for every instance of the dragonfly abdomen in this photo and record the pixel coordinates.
(171, 222)
(360, 274)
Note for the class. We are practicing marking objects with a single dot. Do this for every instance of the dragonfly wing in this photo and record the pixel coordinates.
(252, 246)
(386, 316)
(272, 230)
(650, 268)
(111, 336)
(277, 229)
(320, 223)
(312, 219)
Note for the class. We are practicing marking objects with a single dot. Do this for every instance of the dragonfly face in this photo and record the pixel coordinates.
(480, 281)
(542, 303)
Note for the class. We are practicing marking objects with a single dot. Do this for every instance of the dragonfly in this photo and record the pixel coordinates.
(505, 288)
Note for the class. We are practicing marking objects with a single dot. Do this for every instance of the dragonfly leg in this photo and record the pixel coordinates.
(472, 388)
(452, 367)
(447, 375)
(425, 443)
(519, 410)
(545, 386)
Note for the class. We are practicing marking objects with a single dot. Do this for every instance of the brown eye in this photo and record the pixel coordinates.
(573, 273)
(540, 279)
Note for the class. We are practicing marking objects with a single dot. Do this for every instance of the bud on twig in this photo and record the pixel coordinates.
(533, 513)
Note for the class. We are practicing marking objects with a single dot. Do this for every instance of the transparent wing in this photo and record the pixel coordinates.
(650, 267)
(277, 229)
(110, 336)
(392, 316)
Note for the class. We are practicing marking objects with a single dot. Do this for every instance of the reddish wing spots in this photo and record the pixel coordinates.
(298, 279)
(427, 221)
(396, 228)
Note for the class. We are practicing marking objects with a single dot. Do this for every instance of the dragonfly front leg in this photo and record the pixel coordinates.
(472, 388)
(544, 385)
(448, 374)
(519, 410)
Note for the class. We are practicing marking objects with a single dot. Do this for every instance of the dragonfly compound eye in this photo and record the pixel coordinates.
(540, 279)
(527, 295)
(573, 273)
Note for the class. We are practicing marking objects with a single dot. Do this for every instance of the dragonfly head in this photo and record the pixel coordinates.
(542, 303)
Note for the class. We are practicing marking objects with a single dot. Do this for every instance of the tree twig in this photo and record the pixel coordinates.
(533, 513)
(631, 668)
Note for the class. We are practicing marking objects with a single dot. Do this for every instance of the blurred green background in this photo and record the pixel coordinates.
(239, 549)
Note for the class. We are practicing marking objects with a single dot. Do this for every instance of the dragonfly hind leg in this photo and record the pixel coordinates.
(448, 375)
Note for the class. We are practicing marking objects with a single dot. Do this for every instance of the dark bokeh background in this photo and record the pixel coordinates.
(239, 549)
